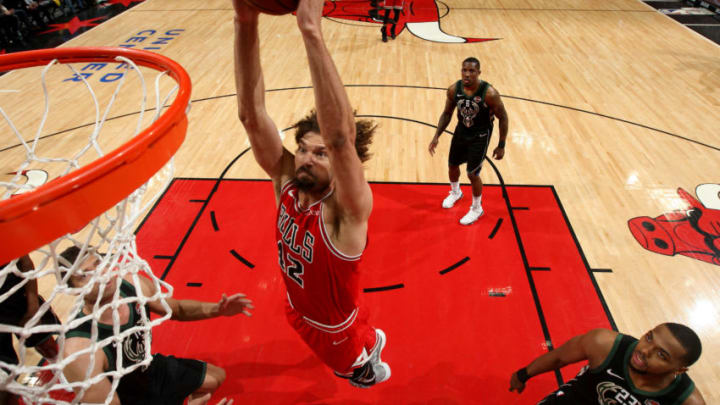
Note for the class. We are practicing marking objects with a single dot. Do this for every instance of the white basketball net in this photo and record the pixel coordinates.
(109, 237)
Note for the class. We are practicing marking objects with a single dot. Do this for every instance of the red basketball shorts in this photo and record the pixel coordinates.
(398, 4)
(341, 348)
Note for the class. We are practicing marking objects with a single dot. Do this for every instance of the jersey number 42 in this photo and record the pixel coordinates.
(291, 266)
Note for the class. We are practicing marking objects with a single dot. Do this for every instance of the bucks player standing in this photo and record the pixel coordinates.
(621, 369)
(478, 103)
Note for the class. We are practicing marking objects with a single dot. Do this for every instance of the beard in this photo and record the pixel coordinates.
(307, 182)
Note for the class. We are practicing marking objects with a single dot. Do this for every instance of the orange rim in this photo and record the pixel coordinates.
(66, 204)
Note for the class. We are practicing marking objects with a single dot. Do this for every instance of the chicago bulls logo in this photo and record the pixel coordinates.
(420, 17)
(34, 178)
(694, 232)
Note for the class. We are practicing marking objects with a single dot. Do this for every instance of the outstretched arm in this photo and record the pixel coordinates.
(335, 118)
(261, 130)
(593, 346)
(493, 100)
(191, 310)
(445, 118)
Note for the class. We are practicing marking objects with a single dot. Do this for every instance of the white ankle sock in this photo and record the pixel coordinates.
(455, 186)
(477, 201)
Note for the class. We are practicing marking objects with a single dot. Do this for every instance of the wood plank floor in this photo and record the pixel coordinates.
(612, 103)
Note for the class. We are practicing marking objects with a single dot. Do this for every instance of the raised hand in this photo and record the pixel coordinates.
(234, 304)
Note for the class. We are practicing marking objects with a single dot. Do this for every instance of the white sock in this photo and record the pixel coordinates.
(455, 186)
(477, 201)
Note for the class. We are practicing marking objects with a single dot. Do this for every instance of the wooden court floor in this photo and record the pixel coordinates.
(612, 103)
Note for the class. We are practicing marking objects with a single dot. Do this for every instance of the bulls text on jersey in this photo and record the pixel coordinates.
(301, 245)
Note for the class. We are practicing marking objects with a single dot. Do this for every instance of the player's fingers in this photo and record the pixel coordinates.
(246, 313)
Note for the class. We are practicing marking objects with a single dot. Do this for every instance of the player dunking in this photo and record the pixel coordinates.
(477, 103)
(323, 200)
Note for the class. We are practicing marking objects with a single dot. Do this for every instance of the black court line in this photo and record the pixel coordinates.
(242, 259)
(404, 119)
(539, 268)
(531, 281)
(197, 201)
(520, 208)
(214, 221)
(528, 273)
(601, 270)
(385, 288)
(194, 284)
(587, 266)
(454, 266)
(199, 214)
(497, 227)
(163, 257)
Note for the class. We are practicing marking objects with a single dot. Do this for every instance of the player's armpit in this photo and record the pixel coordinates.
(77, 371)
(156, 306)
(494, 101)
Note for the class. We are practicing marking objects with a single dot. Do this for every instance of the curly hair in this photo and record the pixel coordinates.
(364, 130)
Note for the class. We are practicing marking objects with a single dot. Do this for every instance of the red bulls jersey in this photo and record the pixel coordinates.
(322, 283)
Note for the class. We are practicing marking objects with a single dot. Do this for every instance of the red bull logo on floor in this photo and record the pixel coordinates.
(419, 17)
(693, 232)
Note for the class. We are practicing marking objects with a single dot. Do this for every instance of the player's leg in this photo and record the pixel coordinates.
(214, 377)
(386, 20)
(183, 378)
(375, 10)
(476, 157)
(368, 369)
(397, 8)
(362, 357)
(476, 210)
(458, 155)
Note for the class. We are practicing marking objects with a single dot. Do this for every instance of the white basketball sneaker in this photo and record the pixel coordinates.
(451, 199)
(379, 367)
(472, 215)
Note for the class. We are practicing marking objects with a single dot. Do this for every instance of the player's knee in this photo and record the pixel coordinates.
(214, 377)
